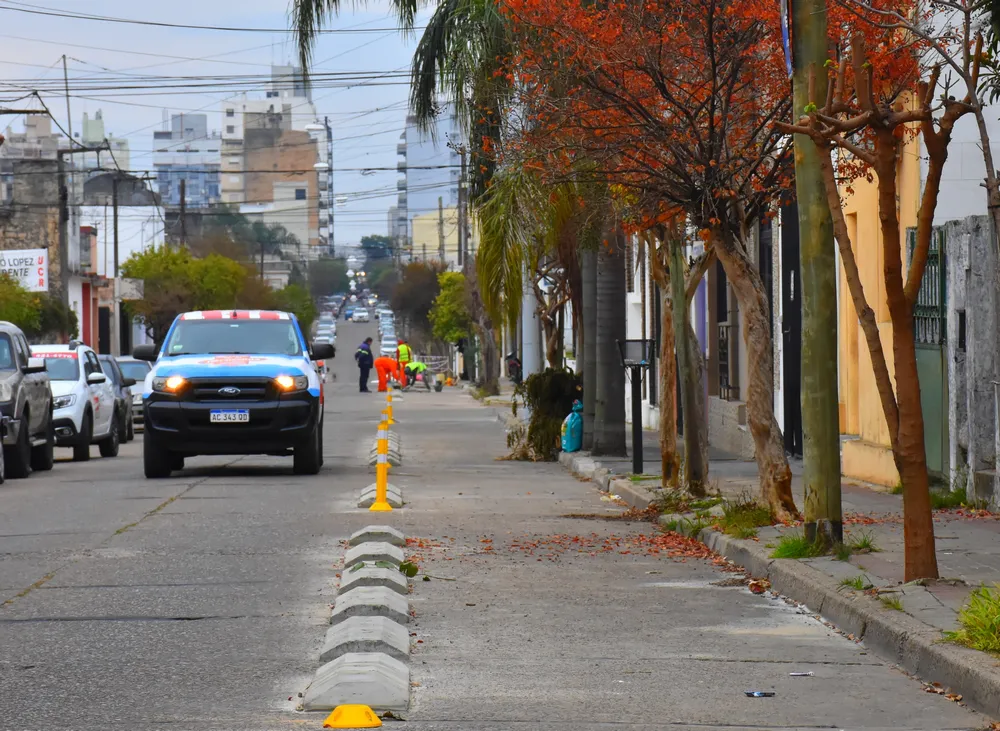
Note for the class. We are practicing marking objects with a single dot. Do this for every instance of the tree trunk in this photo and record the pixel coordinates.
(669, 462)
(772, 464)
(609, 402)
(588, 334)
(695, 439)
(911, 459)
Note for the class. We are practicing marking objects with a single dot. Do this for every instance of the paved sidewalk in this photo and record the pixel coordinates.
(542, 614)
(968, 541)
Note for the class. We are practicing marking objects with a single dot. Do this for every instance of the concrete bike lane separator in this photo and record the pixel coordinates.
(371, 552)
(381, 533)
(393, 496)
(366, 651)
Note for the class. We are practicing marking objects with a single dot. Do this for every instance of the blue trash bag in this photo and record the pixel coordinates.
(572, 429)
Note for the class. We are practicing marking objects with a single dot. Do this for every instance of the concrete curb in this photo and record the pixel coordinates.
(366, 651)
(899, 638)
(393, 495)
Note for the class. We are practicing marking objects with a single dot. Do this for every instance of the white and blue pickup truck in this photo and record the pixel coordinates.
(230, 382)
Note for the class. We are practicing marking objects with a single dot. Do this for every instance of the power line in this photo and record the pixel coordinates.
(40, 10)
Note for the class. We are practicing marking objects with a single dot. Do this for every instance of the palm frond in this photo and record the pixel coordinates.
(508, 226)
(308, 16)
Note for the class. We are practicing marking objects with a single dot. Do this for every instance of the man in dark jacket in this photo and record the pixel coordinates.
(365, 360)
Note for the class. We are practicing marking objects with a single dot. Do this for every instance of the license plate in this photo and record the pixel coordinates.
(225, 416)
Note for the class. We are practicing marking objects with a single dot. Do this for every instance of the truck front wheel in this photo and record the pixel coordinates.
(308, 457)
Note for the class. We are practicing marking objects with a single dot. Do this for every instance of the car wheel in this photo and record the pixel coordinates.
(176, 462)
(308, 458)
(18, 457)
(81, 450)
(156, 461)
(321, 459)
(109, 445)
(42, 456)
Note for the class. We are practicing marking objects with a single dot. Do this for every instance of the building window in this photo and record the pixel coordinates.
(230, 112)
(230, 129)
(300, 194)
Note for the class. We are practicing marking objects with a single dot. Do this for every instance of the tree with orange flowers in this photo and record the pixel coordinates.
(877, 98)
(678, 100)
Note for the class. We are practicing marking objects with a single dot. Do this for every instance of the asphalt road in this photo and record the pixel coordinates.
(200, 602)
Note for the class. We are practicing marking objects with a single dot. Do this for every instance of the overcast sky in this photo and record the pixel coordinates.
(367, 121)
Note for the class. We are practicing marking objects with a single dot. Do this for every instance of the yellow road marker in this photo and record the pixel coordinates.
(352, 716)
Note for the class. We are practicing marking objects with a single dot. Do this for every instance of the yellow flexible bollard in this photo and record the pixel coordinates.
(381, 504)
(388, 408)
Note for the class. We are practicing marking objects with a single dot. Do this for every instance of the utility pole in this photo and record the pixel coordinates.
(115, 336)
(820, 414)
(69, 116)
(329, 189)
(262, 261)
(183, 212)
(441, 229)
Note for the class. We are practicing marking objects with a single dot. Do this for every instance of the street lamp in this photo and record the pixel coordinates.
(636, 356)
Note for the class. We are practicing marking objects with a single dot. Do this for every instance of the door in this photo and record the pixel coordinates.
(101, 395)
(791, 329)
(36, 388)
(929, 332)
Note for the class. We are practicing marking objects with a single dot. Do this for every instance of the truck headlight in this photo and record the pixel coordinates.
(292, 383)
(137, 399)
(6, 391)
(61, 402)
(173, 384)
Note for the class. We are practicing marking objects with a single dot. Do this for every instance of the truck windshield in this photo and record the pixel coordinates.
(242, 337)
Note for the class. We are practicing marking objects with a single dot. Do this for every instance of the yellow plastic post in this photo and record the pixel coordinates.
(352, 716)
(381, 504)
(388, 408)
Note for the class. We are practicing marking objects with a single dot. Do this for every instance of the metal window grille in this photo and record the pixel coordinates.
(930, 309)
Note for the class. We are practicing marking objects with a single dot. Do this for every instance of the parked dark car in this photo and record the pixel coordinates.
(25, 406)
(123, 394)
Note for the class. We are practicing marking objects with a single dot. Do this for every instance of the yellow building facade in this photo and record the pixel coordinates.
(869, 457)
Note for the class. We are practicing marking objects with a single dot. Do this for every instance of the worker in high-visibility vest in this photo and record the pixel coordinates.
(385, 367)
(415, 368)
(404, 354)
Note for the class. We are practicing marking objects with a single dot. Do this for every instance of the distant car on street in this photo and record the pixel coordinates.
(122, 385)
(83, 400)
(137, 370)
(360, 315)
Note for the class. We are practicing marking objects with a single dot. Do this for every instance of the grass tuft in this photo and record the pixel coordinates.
(857, 583)
(897, 489)
(979, 621)
(795, 545)
(862, 541)
(742, 516)
(841, 552)
(941, 500)
(891, 602)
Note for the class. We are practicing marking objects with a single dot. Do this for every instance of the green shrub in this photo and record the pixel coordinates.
(549, 396)
(795, 545)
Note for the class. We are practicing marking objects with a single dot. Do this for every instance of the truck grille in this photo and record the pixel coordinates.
(232, 389)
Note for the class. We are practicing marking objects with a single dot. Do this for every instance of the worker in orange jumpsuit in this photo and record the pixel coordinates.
(385, 367)
(404, 354)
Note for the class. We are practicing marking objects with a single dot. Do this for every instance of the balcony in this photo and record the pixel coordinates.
(401, 184)
(401, 149)
(401, 166)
